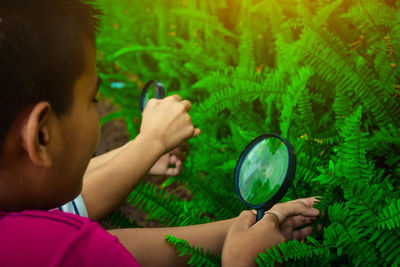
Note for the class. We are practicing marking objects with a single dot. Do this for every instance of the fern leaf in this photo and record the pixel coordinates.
(168, 209)
(197, 255)
(390, 216)
(119, 220)
(294, 250)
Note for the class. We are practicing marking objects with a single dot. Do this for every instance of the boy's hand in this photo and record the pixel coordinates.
(246, 238)
(168, 122)
(290, 216)
(175, 157)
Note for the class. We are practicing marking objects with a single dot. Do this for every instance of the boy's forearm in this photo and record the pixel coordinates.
(149, 247)
(103, 158)
(106, 186)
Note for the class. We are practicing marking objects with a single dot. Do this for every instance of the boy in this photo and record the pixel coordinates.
(49, 132)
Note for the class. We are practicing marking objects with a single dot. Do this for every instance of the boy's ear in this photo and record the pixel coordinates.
(36, 135)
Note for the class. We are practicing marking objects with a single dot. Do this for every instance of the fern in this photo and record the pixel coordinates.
(168, 52)
(294, 250)
(169, 210)
(198, 256)
(119, 220)
(352, 152)
(359, 79)
(391, 215)
(325, 74)
(290, 100)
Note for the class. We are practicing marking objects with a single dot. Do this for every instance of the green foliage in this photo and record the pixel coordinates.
(324, 74)
(197, 255)
(119, 220)
(168, 209)
(295, 250)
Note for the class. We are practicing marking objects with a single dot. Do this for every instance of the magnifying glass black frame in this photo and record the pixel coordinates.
(261, 208)
(160, 92)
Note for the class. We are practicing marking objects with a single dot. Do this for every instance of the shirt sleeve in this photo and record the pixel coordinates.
(76, 206)
(54, 238)
(93, 246)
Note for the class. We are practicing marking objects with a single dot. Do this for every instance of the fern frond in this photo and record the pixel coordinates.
(304, 117)
(229, 90)
(294, 250)
(352, 152)
(168, 209)
(329, 56)
(200, 16)
(293, 95)
(388, 243)
(390, 216)
(350, 235)
(246, 46)
(385, 140)
(198, 256)
(170, 52)
(119, 220)
(341, 107)
(306, 168)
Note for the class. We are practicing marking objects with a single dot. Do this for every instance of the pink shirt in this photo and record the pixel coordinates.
(55, 238)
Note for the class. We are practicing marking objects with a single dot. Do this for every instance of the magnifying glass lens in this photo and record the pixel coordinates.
(263, 171)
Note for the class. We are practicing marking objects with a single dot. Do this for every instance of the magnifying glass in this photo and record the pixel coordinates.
(152, 89)
(264, 172)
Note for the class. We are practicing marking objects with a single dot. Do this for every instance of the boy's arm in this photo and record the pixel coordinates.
(166, 124)
(161, 168)
(103, 158)
(150, 248)
(106, 186)
(239, 240)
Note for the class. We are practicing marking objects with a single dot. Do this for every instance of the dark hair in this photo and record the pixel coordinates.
(42, 53)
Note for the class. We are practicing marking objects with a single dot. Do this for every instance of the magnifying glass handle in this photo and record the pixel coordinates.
(160, 90)
(260, 214)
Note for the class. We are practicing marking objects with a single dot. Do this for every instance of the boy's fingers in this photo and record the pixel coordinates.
(152, 102)
(175, 171)
(302, 233)
(296, 221)
(172, 160)
(175, 97)
(286, 210)
(244, 221)
(180, 154)
(271, 216)
(307, 201)
(187, 104)
(196, 132)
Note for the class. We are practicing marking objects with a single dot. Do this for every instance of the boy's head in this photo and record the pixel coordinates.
(48, 80)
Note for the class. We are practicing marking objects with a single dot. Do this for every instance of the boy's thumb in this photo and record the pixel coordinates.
(245, 220)
(196, 132)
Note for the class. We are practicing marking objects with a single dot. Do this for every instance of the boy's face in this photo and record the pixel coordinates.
(77, 135)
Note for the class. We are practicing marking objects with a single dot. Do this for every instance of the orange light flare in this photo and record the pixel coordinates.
(260, 68)
(390, 50)
(397, 90)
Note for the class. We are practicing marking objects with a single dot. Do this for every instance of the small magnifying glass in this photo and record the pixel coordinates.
(264, 172)
(152, 89)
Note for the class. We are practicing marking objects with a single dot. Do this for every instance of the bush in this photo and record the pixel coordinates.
(323, 74)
